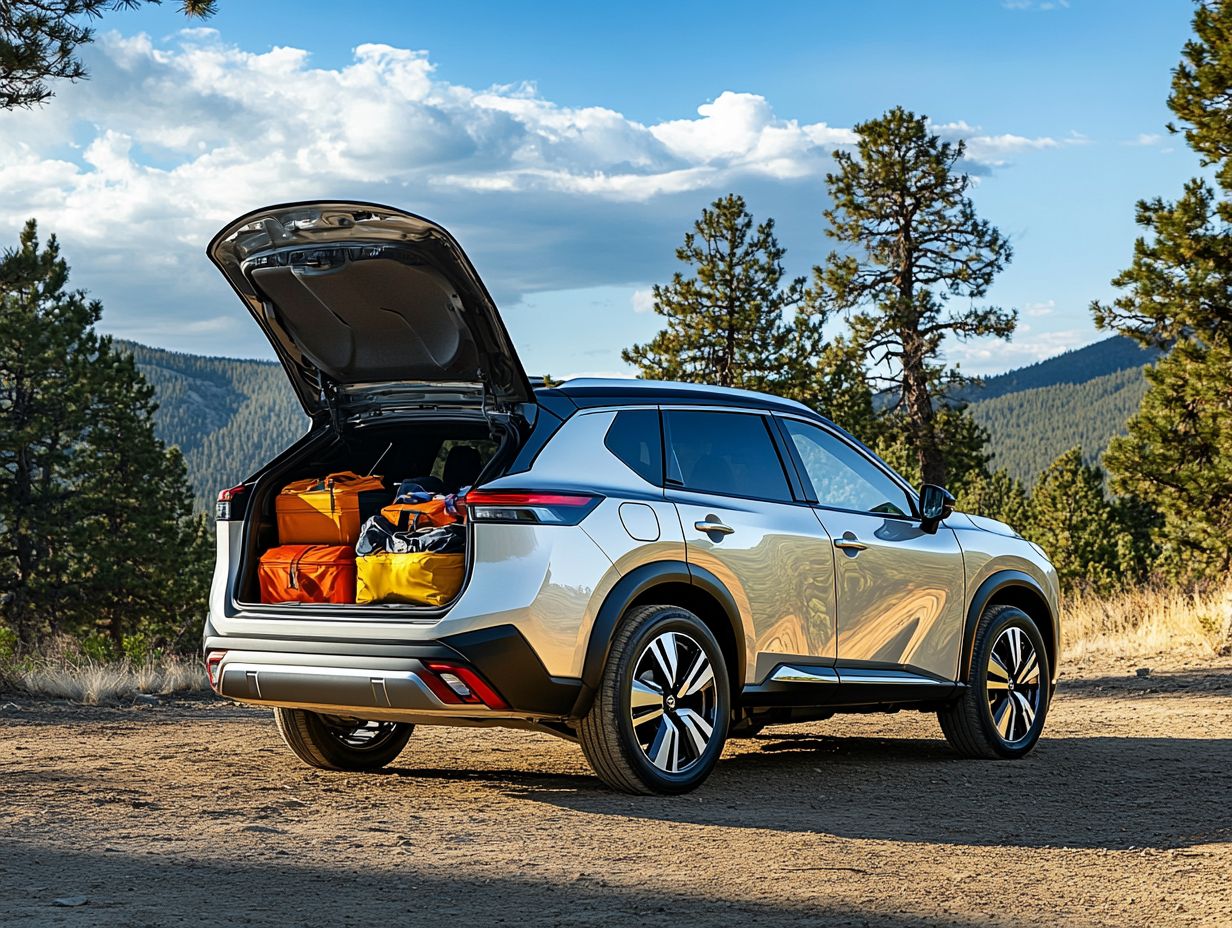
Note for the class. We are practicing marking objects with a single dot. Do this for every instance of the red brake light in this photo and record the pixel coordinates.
(225, 509)
(455, 684)
(539, 507)
(213, 661)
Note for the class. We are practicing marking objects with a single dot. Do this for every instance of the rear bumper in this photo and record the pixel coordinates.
(392, 682)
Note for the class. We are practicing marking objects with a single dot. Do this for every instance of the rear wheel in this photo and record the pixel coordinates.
(1001, 712)
(335, 743)
(660, 716)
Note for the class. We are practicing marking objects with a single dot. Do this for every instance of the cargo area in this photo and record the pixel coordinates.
(439, 455)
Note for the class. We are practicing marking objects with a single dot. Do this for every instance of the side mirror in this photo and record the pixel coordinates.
(936, 503)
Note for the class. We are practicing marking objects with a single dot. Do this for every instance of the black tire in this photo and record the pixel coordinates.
(334, 743)
(610, 738)
(998, 718)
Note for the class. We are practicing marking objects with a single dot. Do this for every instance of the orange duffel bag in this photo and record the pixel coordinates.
(410, 516)
(327, 510)
(307, 574)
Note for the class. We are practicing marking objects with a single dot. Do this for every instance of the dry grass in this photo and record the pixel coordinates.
(1148, 620)
(1134, 623)
(93, 683)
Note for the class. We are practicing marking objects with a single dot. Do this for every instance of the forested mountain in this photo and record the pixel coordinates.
(1110, 356)
(229, 416)
(1081, 398)
(1031, 428)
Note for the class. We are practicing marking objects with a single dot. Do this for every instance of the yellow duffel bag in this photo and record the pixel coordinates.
(423, 578)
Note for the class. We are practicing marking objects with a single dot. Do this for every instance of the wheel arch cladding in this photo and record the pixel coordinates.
(1022, 591)
(668, 583)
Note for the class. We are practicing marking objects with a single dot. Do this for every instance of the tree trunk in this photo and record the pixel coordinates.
(920, 413)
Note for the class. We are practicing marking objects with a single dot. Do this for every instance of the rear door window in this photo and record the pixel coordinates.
(729, 453)
(634, 437)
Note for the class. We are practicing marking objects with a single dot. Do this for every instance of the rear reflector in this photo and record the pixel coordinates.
(535, 507)
(457, 684)
(213, 662)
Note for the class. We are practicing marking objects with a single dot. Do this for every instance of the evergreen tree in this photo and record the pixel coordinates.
(95, 513)
(1072, 519)
(962, 440)
(149, 574)
(46, 341)
(901, 201)
(830, 378)
(997, 496)
(39, 41)
(725, 322)
(1178, 452)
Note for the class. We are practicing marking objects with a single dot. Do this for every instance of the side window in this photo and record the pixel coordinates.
(634, 438)
(841, 476)
(730, 453)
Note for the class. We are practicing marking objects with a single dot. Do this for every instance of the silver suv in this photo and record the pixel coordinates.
(651, 567)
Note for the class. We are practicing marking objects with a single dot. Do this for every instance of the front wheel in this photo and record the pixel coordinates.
(335, 743)
(660, 716)
(1001, 712)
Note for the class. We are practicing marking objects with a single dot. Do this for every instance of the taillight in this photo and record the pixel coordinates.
(540, 508)
(213, 661)
(457, 684)
(230, 504)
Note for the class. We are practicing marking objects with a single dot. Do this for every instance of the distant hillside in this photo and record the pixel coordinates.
(1031, 428)
(1110, 356)
(229, 416)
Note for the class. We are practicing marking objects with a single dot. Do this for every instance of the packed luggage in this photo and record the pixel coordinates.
(327, 510)
(307, 574)
(342, 540)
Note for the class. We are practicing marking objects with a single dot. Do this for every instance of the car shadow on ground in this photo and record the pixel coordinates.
(121, 889)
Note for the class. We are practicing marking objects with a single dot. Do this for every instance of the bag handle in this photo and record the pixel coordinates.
(294, 581)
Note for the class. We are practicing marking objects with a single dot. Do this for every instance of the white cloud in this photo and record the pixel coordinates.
(1146, 139)
(992, 356)
(136, 168)
(643, 300)
(1039, 310)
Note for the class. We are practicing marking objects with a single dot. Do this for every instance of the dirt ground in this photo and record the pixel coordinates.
(193, 813)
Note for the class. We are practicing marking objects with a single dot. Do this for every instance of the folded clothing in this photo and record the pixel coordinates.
(379, 534)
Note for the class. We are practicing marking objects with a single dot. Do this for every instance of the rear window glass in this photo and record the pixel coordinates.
(726, 452)
(634, 438)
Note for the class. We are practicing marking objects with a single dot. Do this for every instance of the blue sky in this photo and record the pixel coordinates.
(569, 146)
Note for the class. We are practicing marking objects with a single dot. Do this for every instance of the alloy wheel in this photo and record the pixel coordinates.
(359, 735)
(1013, 684)
(673, 703)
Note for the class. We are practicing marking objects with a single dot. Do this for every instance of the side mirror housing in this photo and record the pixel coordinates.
(936, 503)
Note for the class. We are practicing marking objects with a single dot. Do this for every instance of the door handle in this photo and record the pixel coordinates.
(849, 544)
(709, 526)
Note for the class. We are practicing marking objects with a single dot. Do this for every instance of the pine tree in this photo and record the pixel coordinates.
(829, 377)
(95, 513)
(46, 342)
(902, 202)
(149, 574)
(725, 322)
(1074, 522)
(997, 496)
(40, 39)
(962, 441)
(1177, 454)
